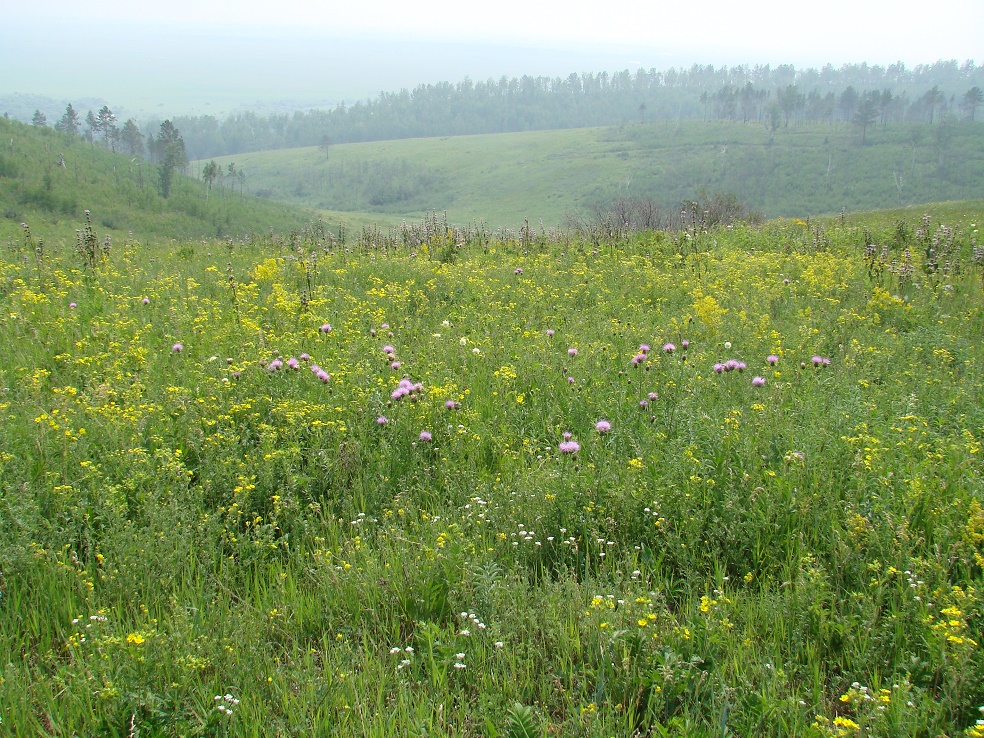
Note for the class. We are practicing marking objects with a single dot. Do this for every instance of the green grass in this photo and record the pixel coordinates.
(802, 558)
(119, 191)
(546, 176)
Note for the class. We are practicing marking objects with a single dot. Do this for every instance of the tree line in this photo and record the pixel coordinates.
(776, 96)
(166, 148)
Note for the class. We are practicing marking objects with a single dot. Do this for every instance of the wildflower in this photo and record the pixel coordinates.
(718, 368)
(638, 359)
(570, 380)
(572, 352)
(772, 359)
(323, 376)
(653, 396)
(758, 381)
(643, 348)
(820, 361)
(603, 426)
(450, 404)
(382, 420)
(684, 344)
(567, 435)
(730, 365)
(550, 332)
(518, 270)
(741, 366)
(177, 348)
(326, 328)
(643, 403)
(669, 348)
(305, 357)
(146, 301)
(72, 305)
(395, 365)
(727, 344)
(569, 447)
(275, 365)
(425, 436)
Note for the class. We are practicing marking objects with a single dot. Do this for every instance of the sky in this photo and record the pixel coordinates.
(201, 53)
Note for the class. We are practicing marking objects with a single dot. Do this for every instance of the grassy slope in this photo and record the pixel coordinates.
(120, 192)
(545, 175)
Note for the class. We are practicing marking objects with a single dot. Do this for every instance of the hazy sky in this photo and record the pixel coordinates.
(195, 53)
(773, 31)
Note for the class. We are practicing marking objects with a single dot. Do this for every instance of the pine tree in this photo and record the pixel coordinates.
(70, 122)
(39, 119)
(171, 148)
(131, 138)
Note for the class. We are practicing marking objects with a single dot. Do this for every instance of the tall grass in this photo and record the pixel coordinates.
(200, 539)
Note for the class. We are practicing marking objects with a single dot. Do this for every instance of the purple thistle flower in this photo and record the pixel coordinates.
(326, 328)
(718, 368)
(643, 403)
(385, 326)
(643, 348)
(758, 381)
(372, 332)
(382, 420)
(395, 365)
(450, 404)
(603, 426)
(570, 380)
(572, 352)
(669, 348)
(72, 305)
(305, 357)
(638, 359)
(569, 447)
(653, 396)
(425, 435)
(323, 376)
(146, 301)
(730, 365)
(741, 366)
(518, 270)
(772, 359)
(387, 349)
(550, 332)
(177, 348)
(568, 435)
(685, 344)
(817, 361)
(275, 365)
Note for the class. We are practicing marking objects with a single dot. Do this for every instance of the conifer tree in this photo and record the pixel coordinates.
(69, 122)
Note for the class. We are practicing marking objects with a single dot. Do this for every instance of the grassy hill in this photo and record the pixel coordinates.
(503, 179)
(120, 192)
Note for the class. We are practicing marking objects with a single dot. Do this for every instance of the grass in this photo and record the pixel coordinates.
(198, 539)
(119, 191)
(546, 176)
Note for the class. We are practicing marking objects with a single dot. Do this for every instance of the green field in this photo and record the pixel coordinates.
(49, 181)
(710, 483)
(549, 176)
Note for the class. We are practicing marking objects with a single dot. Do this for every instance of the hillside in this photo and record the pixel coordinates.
(548, 176)
(48, 180)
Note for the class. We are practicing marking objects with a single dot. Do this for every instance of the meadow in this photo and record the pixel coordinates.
(548, 177)
(452, 483)
(49, 179)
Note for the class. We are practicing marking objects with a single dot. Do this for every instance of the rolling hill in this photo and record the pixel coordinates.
(549, 176)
